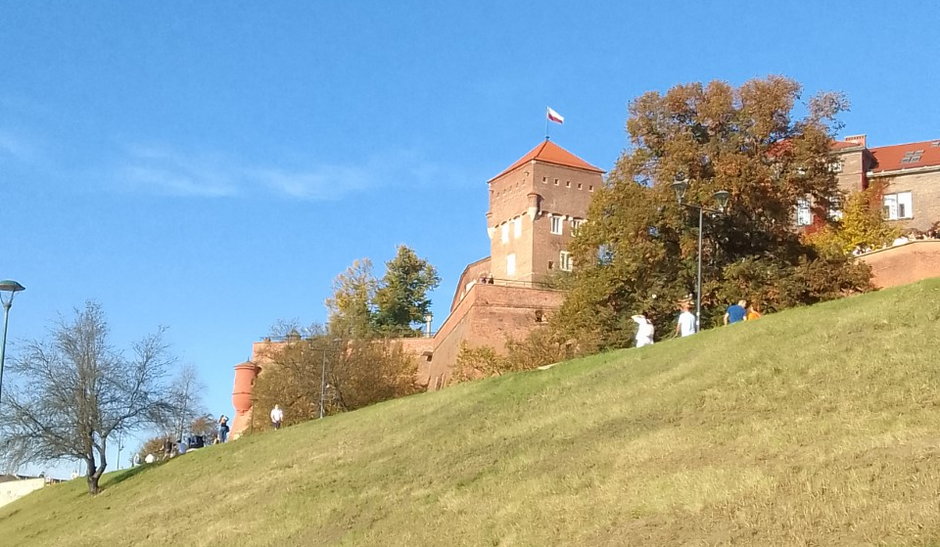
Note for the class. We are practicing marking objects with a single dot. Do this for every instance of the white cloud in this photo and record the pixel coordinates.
(16, 147)
(162, 171)
(325, 182)
(165, 171)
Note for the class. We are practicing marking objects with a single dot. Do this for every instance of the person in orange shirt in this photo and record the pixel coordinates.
(752, 313)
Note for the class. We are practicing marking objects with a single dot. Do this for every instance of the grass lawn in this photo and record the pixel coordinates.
(813, 426)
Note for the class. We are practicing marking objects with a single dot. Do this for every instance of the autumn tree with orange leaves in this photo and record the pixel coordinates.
(638, 250)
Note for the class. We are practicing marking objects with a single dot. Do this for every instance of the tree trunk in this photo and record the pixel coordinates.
(94, 472)
(91, 476)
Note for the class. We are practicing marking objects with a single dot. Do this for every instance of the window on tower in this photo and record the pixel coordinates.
(517, 228)
(564, 261)
(557, 225)
(504, 232)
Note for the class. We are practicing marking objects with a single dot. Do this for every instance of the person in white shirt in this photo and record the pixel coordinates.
(645, 331)
(685, 326)
(277, 416)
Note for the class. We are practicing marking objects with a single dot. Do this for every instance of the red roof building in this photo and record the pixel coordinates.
(550, 153)
(906, 157)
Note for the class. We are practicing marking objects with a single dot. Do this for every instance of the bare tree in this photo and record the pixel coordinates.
(75, 391)
(185, 402)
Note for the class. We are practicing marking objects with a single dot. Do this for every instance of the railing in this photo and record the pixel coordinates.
(278, 339)
(514, 283)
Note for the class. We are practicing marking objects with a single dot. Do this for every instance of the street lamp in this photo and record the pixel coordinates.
(680, 186)
(12, 287)
(323, 374)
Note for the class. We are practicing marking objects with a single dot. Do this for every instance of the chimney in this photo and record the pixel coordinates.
(858, 140)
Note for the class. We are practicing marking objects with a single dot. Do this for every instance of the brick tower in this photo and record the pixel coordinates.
(535, 205)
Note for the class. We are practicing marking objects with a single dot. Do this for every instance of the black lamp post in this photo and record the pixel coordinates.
(680, 186)
(323, 372)
(11, 287)
(322, 380)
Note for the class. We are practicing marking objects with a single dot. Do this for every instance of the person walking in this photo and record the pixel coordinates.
(223, 428)
(736, 312)
(277, 416)
(685, 325)
(645, 330)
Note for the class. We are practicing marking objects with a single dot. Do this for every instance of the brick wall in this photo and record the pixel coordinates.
(904, 264)
(470, 277)
(925, 195)
(548, 190)
(487, 316)
(855, 163)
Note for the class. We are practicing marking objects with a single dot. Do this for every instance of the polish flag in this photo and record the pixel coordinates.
(555, 116)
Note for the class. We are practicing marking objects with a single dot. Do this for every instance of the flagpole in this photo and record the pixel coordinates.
(546, 124)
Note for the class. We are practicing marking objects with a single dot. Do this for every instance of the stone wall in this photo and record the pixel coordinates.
(487, 316)
(904, 264)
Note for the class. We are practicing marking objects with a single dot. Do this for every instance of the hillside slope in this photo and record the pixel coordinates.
(817, 425)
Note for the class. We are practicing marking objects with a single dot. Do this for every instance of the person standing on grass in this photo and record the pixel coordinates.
(685, 326)
(645, 330)
(736, 312)
(223, 428)
(277, 416)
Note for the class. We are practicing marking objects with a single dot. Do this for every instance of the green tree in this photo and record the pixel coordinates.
(638, 252)
(401, 302)
(862, 223)
(351, 309)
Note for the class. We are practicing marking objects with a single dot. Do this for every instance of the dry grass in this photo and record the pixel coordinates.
(816, 426)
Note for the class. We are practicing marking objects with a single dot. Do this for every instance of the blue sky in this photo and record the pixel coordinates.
(212, 166)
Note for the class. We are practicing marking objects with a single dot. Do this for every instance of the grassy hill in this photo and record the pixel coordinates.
(815, 426)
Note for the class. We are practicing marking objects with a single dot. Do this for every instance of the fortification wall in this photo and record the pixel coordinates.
(487, 316)
(903, 264)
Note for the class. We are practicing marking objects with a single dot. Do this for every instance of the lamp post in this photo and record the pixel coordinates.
(323, 374)
(12, 287)
(680, 186)
(322, 380)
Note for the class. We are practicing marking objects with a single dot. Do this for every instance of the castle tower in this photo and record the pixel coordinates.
(535, 206)
(245, 375)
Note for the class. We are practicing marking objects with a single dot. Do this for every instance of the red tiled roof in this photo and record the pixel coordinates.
(549, 152)
(889, 158)
(842, 145)
(782, 146)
